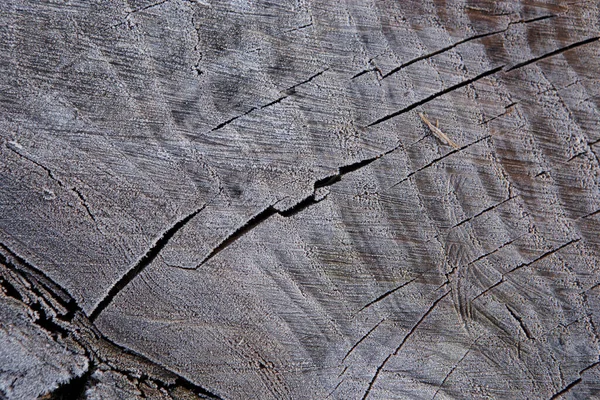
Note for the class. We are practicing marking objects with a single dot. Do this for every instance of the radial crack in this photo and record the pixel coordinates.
(519, 319)
(437, 94)
(523, 265)
(366, 335)
(141, 264)
(471, 38)
(386, 294)
(553, 53)
(404, 340)
(300, 206)
(490, 208)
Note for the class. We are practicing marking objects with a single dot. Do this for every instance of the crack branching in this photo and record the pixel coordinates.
(34, 294)
(308, 201)
(141, 264)
(404, 340)
(29, 271)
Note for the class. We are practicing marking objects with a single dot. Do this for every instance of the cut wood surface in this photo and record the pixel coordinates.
(239, 199)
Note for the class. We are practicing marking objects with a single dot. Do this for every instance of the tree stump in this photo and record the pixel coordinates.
(299, 199)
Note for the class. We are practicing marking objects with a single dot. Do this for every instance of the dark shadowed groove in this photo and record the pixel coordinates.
(553, 53)
(404, 340)
(386, 294)
(73, 388)
(435, 53)
(366, 335)
(436, 160)
(143, 262)
(291, 88)
(241, 231)
(566, 389)
(436, 95)
(298, 207)
(488, 209)
(230, 120)
(463, 41)
(29, 271)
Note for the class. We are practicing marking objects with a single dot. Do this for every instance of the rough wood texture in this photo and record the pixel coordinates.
(239, 199)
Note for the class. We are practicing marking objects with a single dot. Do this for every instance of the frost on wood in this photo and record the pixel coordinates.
(358, 200)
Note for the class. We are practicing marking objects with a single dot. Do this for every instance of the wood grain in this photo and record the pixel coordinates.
(238, 199)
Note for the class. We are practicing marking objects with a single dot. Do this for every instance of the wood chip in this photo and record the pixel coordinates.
(438, 133)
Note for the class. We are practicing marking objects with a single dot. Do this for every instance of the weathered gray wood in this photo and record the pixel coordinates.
(240, 200)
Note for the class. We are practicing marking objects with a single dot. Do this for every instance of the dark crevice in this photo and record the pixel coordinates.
(9, 290)
(366, 71)
(31, 160)
(523, 265)
(469, 39)
(435, 161)
(577, 156)
(507, 109)
(366, 335)
(386, 294)
(292, 88)
(436, 95)
(591, 214)
(553, 53)
(298, 207)
(301, 206)
(200, 391)
(490, 208)
(589, 367)
(546, 254)
(442, 50)
(566, 389)
(74, 389)
(522, 325)
(222, 124)
(44, 319)
(404, 340)
(178, 381)
(28, 271)
(47, 322)
(491, 252)
(299, 28)
(288, 92)
(143, 262)
(84, 204)
(137, 10)
(274, 102)
(241, 231)
(527, 21)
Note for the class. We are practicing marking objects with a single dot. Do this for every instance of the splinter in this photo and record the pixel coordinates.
(438, 133)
